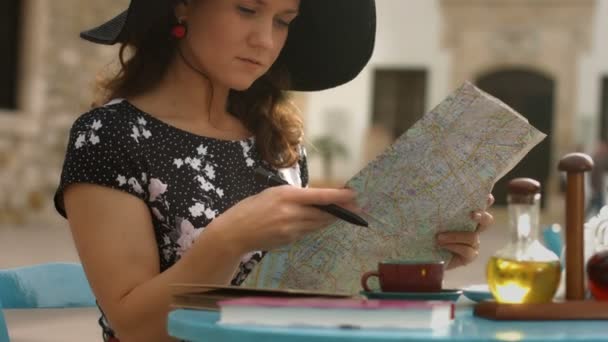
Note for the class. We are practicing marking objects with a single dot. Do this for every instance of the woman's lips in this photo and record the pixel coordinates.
(251, 62)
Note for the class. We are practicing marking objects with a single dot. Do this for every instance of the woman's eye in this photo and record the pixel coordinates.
(283, 23)
(246, 10)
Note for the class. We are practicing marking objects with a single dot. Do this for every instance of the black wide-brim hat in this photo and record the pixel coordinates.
(329, 43)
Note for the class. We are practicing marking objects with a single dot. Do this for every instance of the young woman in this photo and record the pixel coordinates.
(158, 183)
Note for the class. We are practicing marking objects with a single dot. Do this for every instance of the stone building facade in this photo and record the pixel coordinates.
(55, 78)
(545, 38)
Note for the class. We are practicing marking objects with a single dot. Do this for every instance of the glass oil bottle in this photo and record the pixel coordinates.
(523, 271)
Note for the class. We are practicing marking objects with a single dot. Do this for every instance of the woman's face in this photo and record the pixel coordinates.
(234, 42)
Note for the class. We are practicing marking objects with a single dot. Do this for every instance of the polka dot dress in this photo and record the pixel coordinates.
(186, 180)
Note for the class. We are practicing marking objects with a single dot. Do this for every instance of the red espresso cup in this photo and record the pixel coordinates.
(407, 276)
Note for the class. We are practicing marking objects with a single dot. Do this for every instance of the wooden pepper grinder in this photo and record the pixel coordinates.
(575, 165)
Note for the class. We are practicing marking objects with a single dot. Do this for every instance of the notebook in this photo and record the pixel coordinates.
(206, 297)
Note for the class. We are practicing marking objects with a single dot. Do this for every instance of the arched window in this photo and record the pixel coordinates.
(531, 93)
(10, 17)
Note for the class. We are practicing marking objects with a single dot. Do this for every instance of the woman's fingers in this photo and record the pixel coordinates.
(463, 245)
(310, 196)
(462, 254)
(351, 206)
(484, 219)
(461, 238)
(312, 214)
(456, 261)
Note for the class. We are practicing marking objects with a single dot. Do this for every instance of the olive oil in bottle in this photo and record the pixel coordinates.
(524, 271)
(513, 281)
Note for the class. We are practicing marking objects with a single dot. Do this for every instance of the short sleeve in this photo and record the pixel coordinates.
(99, 152)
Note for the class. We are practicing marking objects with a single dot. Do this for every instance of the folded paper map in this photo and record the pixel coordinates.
(428, 181)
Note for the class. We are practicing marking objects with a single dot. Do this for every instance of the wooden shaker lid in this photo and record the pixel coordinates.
(575, 162)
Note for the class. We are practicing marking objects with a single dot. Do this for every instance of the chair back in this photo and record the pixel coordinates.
(553, 239)
(3, 328)
(50, 285)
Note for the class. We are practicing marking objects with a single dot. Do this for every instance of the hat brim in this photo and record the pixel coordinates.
(329, 43)
(140, 16)
(108, 33)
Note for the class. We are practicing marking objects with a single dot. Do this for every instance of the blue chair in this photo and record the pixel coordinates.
(51, 285)
(3, 329)
(553, 238)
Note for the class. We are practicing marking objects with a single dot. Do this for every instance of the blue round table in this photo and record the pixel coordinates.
(194, 325)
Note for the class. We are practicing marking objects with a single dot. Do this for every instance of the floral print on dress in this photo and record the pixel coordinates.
(156, 188)
(138, 129)
(89, 136)
(247, 145)
(205, 168)
(133, 183)
(160, 208)
(247, 264)
(188, 235)
(203, 207)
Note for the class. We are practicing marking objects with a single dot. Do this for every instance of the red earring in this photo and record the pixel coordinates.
(179, 31)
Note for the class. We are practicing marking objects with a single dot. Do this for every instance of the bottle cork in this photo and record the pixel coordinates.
(523, 191)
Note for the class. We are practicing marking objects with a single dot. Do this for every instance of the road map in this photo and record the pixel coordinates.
(429, 180)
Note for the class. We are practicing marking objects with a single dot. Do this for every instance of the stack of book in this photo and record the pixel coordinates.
(337, 313)
(206, 297)
(292, 308)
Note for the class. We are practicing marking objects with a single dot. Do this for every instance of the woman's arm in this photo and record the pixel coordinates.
(114, 236)
(115, 239)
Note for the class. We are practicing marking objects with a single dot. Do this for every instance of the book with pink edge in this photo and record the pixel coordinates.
(336, 313)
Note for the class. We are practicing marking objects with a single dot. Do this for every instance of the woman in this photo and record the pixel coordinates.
(158, 183)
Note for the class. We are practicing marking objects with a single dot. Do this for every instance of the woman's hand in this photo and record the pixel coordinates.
(278, 216)
(465, 245)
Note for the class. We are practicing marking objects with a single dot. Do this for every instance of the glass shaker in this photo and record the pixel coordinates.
(523, 271)
(597, 265)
